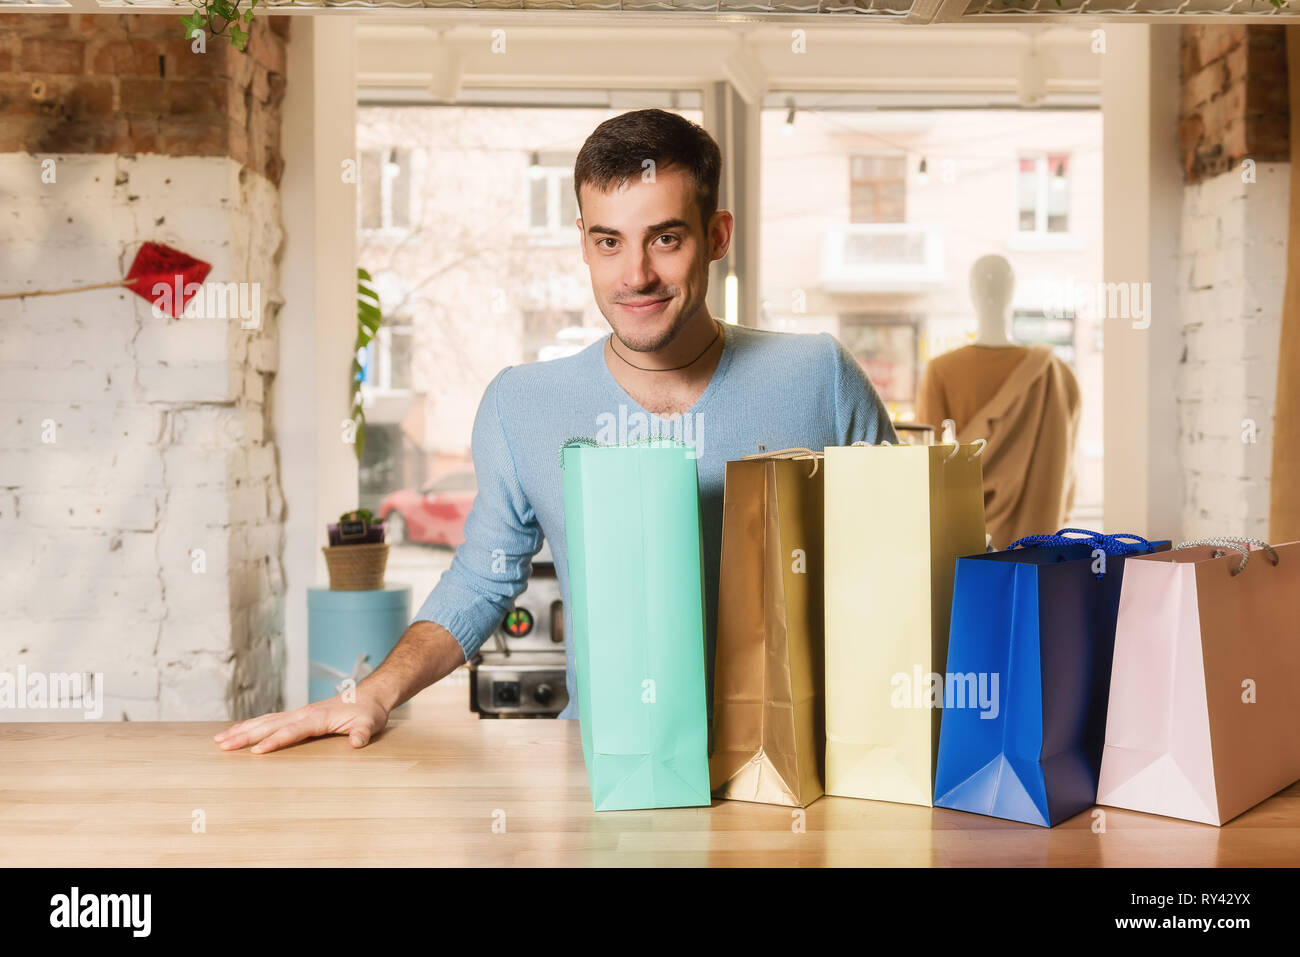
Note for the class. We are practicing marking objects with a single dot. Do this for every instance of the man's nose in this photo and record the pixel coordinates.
(638, 272)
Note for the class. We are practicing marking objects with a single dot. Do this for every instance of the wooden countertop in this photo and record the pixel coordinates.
(428, 790)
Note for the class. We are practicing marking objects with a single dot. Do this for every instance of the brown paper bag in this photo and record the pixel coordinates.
(1204, 720)
(769, 717)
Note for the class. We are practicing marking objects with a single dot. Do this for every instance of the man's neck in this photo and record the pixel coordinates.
(654, 379)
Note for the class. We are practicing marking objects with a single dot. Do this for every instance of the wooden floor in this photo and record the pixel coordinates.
(429, 790)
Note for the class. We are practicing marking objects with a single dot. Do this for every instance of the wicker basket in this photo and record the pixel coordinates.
(356, 567)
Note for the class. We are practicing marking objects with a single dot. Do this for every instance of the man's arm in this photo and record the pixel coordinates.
(426, 654)
(489, 569)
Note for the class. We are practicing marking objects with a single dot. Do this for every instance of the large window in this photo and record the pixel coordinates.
(871, 219)
(466, 223)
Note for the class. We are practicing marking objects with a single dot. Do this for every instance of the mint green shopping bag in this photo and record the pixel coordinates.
(632, 524)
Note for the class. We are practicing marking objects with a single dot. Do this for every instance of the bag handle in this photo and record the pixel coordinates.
(1110, 544)
(582, 440)
(1140, 544)
(1234, 543)
(795, 452)
(956, 446)
(949, 425)
(1265, 546)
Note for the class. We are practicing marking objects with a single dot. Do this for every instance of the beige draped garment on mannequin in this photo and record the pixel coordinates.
(1025, 401)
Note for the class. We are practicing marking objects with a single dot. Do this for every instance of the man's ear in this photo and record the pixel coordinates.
(720, 234)
(582, 239)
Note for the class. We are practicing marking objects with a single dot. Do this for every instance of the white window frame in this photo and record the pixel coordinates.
(1039, 239)
(554, 233)
(381, 358)
(386, 226)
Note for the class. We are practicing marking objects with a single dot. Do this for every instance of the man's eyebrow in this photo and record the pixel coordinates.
(656, 228)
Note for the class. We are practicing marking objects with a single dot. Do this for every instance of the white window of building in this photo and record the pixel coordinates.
(552, 205)
(385, 194)
(388, 368)
(877, 188)
(1043, 193)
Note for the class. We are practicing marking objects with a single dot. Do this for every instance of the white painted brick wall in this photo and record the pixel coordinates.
(161, 446)
(1233, 262)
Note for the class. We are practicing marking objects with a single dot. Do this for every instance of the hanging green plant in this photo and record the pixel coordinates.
(369, 317)
(219, 17)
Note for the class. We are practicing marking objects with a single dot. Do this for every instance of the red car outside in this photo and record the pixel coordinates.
(434, 515)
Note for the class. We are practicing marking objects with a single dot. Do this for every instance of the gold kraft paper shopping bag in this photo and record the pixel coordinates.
(769, 710)
(897, 518)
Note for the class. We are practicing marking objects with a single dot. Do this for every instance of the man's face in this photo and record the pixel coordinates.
(649, 256)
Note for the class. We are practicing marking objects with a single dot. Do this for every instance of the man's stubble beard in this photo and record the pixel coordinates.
(658, 342)
(679, 323)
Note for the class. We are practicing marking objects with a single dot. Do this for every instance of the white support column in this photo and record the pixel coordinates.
(318, 322)
(749, 139)
(735, 124)
(1142, 184)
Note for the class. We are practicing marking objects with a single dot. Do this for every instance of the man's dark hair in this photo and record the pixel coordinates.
(616, 150)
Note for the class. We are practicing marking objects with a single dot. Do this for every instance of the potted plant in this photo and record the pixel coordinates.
(357, 553)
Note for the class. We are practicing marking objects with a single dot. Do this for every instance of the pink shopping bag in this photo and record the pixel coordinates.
(1203, 720)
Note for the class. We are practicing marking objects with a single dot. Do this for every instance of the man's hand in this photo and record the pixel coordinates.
(359, 721)
(425, 653)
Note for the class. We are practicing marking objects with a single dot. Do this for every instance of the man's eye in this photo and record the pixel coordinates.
(669, 236)
(605, 240)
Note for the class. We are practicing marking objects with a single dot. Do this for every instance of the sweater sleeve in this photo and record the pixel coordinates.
(492, 565)
(860, 414)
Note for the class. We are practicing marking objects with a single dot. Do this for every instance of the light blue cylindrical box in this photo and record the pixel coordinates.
(342, 626)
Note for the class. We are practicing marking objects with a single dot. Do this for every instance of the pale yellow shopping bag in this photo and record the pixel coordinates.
(897, 518)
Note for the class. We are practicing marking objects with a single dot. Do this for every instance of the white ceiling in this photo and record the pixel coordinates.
(941, 66)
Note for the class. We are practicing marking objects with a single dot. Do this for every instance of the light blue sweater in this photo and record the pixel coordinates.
(774, 389)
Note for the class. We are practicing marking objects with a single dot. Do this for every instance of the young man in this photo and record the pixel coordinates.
(649, 223)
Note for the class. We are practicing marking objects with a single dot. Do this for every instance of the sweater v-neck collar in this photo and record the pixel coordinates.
(715, 381)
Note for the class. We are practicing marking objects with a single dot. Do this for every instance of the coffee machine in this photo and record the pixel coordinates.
(519, 671)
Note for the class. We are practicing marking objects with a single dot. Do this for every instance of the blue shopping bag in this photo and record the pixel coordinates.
(1028, 675)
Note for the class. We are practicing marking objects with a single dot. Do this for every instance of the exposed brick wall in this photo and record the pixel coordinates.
(99, 83)
(1233, 270)
(1233, 261)
(140, 496)
(1233, 103)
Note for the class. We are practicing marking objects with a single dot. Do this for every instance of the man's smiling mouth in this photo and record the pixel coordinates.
(644, 305)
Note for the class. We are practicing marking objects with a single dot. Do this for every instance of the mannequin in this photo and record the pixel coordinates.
(1023, 399)
(991, 285)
